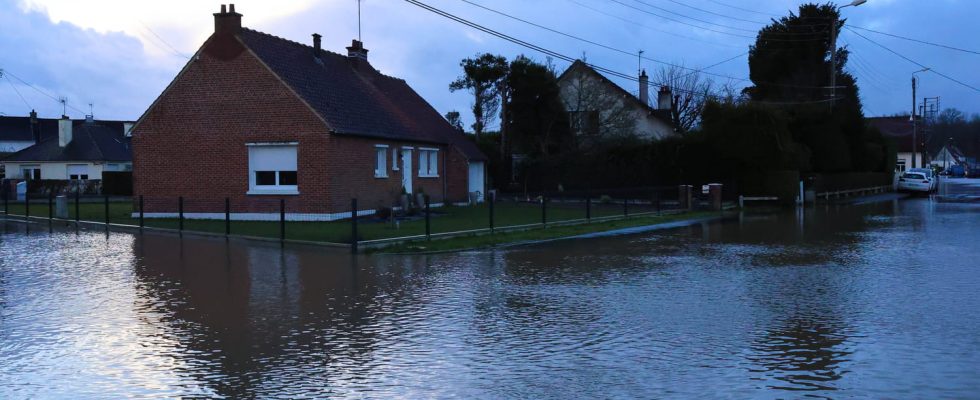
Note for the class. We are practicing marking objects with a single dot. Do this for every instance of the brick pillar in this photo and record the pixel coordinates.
(684, 197)
(714, 190)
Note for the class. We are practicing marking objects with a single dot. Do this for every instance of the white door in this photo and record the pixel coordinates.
(476, 179)
(407, 170)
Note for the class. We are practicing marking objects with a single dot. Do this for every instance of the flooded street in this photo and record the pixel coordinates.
(873, 300)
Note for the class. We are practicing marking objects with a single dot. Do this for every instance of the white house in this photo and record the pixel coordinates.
(599, 107)
(899, 131)
(948, 156)
(78, 150)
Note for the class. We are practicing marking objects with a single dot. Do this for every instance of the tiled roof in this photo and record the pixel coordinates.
(19, 128)
(897, 129)
(663, 115)
(90, 142)
(354, 98)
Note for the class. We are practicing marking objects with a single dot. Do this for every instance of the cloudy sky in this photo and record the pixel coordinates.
(118, 55)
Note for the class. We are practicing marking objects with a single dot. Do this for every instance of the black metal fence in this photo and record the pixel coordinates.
(349, 223)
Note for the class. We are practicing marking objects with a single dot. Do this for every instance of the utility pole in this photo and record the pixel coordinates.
(914, 139)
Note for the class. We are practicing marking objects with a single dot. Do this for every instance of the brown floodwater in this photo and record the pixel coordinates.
(874, 301)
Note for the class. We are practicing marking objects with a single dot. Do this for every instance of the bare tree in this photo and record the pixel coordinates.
(594, 112)
(691, 92)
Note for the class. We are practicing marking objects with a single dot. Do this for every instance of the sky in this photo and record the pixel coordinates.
(114, 57)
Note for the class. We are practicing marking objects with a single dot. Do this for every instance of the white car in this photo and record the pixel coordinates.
(930, 175)
(914, 182)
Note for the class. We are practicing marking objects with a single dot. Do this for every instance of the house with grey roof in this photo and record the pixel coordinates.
(64, 149)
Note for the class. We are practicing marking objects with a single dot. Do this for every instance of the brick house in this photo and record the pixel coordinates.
(255, 118)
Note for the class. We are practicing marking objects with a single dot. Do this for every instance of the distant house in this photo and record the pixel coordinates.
(899, 131)
(948, 156)
(255, 119)
(64, 149)
(598, 107)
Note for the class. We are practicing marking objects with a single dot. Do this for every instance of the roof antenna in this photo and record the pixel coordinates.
(359, 21)
(64, 105)
(639, 62)
(91, 109)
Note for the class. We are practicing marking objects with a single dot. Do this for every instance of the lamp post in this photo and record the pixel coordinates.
(915, 143)
(833, 50)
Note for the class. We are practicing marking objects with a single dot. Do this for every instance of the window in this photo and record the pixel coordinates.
(272, 168)
(585, 122)
(31, 172)
(78, 172)
(381, 161)
(428, 162)
(394, 160)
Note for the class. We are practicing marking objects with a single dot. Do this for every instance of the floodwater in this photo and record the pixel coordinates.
(873, 301)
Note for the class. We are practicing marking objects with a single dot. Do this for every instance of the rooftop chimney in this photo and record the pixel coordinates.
(644, 88)
(35, 127)
(227, 21)
(316, 45)
(89, 119)
(64, 131)
(664, 99)
(357, 50)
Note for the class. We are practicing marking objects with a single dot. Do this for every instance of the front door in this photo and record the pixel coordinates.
(407, 170)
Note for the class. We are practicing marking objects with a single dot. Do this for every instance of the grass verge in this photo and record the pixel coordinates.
(531, 235)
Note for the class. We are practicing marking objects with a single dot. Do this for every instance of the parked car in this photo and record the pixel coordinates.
(914, 182)
(930, 175)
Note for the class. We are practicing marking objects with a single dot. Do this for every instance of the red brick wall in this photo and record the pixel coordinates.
(192, 143)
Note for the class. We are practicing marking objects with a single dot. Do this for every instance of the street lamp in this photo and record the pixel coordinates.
(833, 51)
(915, 145)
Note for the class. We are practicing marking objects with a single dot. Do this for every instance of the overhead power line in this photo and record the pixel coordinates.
(743, 9)
(916, 40)
(716, 13)
(15, 89)
(546, 51)
(629, 21)
(933, 70)
(28, 84)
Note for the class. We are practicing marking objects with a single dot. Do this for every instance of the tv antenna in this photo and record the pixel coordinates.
(64, 105)
(639, 62)
(359, 21)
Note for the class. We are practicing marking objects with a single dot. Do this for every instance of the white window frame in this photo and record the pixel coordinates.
(428, 162)
(380, 161)
(30, 174)
(77, 177)
(394, 159)
(277, 189)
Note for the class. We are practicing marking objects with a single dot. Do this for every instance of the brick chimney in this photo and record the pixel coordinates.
(357, 50)
(64, 131)
(664, 99)
(317, 50)
(227, 21)
(644, 87)
(35, 127)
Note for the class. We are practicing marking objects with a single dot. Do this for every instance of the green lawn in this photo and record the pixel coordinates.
(444, 219)
(486, 240)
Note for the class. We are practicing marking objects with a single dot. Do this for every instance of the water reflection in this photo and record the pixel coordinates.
(771, 305)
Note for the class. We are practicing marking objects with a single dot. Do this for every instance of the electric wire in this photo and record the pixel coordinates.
(915, 62)
(916, 40)
(629, 21)
(28, 84)
(15, 90)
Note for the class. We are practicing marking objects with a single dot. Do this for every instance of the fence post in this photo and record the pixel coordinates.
(78, 195)
(353, 225)
(626, 208)
(544, 211)
(106, 210)
(180, 213)
(428, 229)
(50, 205)
(282, 220)
(493, 199)
(141, 212)
(6, 205)
(27, 205)
(227, 216)
(588, 208)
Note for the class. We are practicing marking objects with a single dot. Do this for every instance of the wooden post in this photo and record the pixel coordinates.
(428, 230)
(141, 212)
(106, 210)
(282, 221)
(78, 191)
(50, 206)
(227, 216)
(180, 213)
(353, 225)
(493, 199)
(544, 211)
(588, 208)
